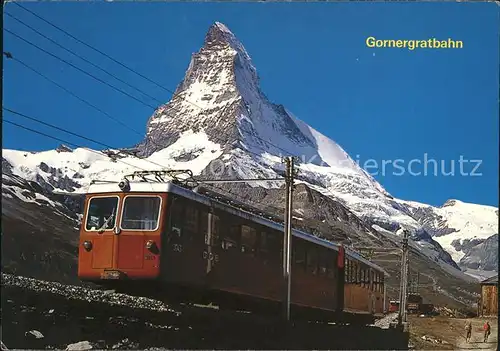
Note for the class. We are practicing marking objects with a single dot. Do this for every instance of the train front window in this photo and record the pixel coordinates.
(101, 213)
(141, 213)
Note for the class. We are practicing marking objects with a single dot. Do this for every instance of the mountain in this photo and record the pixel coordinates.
(469, 232)
(219, 124)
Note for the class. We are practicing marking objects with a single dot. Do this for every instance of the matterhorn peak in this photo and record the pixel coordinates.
(219, 31)
(220, 98)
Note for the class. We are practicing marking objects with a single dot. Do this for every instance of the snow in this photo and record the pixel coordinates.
(426, 249)
(479, 274)
(471, 218)
(223, 28)
(221, 79)
(18, 192)
(332, 153)
(470, 221)
(26, 165)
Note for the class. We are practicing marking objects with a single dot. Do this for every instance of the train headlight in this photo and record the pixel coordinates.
(124, 185)
(152, 247)
(87, 245)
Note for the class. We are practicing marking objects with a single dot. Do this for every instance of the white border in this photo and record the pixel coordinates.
(141, 230)
(116, 215)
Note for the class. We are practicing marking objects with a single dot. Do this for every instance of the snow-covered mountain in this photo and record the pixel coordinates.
(219, 124)
(469, 232)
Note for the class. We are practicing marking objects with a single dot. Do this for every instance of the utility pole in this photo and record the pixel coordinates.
(404, 280)
(287, 238)
(418, 282)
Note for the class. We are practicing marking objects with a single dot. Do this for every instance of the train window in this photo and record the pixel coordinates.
(349, 275)
(141, 212)
(365, 278)
(353, 272)
(263, 245)
(273, 243)
(299, 254)
(331, 265)
(176, 209)
(191, 219)
(248, 239)
(322, 261)
(346, 271)
(312, 260)
(351, 278)
(204, 224)
(204, 227)
(215, 230)
(101, 213)
(231, 237)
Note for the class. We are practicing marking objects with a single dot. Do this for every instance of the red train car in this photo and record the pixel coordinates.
(163, 232)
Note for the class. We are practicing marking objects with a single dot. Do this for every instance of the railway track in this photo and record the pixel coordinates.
(66, 314)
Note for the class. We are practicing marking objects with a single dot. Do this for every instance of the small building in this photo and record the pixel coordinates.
(488, 302)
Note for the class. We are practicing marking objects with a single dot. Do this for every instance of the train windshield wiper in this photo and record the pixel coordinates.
(106, 222)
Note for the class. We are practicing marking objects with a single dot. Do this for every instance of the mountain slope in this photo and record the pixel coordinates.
(220, 96)
(219, 124)
(469, 232)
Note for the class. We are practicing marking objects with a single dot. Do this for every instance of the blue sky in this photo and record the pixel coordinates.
(380, 104)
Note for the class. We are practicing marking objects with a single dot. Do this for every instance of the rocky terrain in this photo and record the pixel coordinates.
(47, 315)
(219, 124)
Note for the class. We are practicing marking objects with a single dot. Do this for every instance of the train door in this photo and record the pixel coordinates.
(139, 223)
(184, 248)
(211, 251)
(100, 225)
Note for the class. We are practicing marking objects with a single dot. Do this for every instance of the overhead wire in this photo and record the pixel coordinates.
(92, 47)
(81, 57)
(139, 74)
(11, 57)
(65, 141)
(123, 65)
(76, 134)
(74, 144)
(78, 68)
(58, 128)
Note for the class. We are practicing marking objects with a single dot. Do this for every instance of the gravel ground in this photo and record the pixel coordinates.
(385, 322)
(45, 315)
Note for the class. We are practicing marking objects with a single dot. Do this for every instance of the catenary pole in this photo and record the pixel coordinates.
(287, 239)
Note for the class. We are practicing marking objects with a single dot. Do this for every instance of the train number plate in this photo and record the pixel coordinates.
(110, 275)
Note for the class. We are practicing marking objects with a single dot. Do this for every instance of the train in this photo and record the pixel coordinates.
(180, 237)
(414, 305)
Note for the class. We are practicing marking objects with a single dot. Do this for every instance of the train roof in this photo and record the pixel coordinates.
(169, 187)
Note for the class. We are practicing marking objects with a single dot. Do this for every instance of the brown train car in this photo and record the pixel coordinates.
(163, 232)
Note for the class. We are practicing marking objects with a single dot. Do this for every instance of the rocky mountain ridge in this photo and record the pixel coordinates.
(219, 124)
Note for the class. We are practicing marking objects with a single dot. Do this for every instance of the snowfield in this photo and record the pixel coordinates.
(219, 123)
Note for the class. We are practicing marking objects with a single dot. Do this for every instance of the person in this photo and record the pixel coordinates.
(468, 329)
(487, 330)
